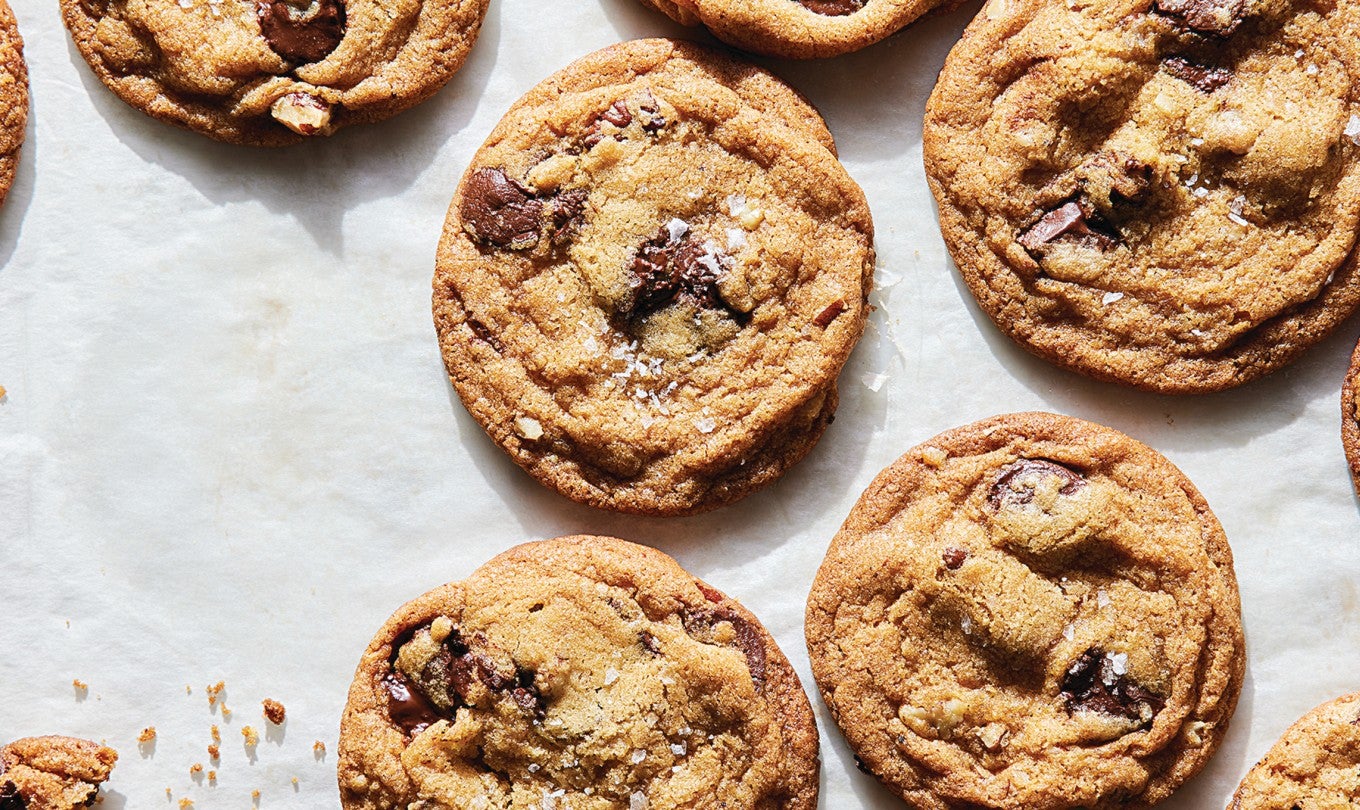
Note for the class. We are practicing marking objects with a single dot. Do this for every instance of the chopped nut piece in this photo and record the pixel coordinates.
(992, 735)
(528, 428)
(751, 218)
(274, 711)
(440, 629)
(934, 456)
(303, 113)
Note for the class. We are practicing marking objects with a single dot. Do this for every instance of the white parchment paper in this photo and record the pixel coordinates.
(229, 450)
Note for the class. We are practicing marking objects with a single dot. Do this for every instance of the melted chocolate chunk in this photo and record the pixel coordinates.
(1004, 494)
(485, 335)
(497, 210)
(954, 558)
(748, 638)
(833, 8)
(10, 798)
(1218, 18)
(617, 115)
(652, 119)
(666, 268)
(1067, 219)
(303, 35)
(568, 213)
(831, 313)
(407, 707)
(649, 642)
(1093, 685)
(1202, 78)
(446, 681)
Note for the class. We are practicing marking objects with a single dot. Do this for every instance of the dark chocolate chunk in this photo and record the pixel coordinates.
(748, 639)
(1092, 684)
(954, 558)
(1218, 18)
(497, 210)
(1005, 493)
(649, 642)
(568, 212)
(1202, 78)
(665, 268)
(617, 115)
(652, 119)
(407, 707)
(1068, 218)
(832, 311)
(302, 32)
(833, 8)
(485, 335)
(10, 798)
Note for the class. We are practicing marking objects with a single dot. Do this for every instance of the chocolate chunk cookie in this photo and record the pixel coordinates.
(13, 97)
(52, 773)
(1314, 766)
(582, 672)
(273, 72)
(799, 29)
(650, 278)
(1031, 611)
(1350, 417)
(1160, 193)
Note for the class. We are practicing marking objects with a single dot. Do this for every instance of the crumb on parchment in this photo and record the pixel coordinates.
(252, 737)
(274, 711)
(148, 735)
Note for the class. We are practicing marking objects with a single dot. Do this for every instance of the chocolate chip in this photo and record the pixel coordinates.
(567, 211)
(496, 209)
(748, 639)
(833, 8)
(302, 32)
(1202, 78)
(407, 707)
(649, 642)
(652, 119)
(10, 799)
(665, 268)
(1068, 218)
(1009, 491)
(1218, 18)
(1092, 684)
(954, 558)
(826, 316)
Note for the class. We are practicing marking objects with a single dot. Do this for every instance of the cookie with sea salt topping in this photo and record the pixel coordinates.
(799, 29)
(1350, 417)
(650, 278)
(13, 97)
(1159, 193)
(1314, 766)
(273, 72)
(1029, 611)
(581, 672)
(53, 773)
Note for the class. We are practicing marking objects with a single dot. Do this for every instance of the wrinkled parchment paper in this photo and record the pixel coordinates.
(229, 450)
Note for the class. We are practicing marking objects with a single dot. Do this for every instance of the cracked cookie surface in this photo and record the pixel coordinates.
(1315, 765)
(1031, 611)
(650, 278)
(582, 673)
(799, 29)
(1350, 417)
(13, 97)
(1160, 193)
(53, 773)
(273, 72)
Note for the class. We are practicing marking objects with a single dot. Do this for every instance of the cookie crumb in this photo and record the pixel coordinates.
(185, 803)
(252, 738)
(80, 686)
(319, 749)
(3, 392)
(188, 690)
(274, 711)
(212, 777)
(216, 734)
(148, 735)
(215, 694)
(214, 753)
(196, 768)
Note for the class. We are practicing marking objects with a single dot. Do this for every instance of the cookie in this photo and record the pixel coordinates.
(799, 29)
(583, 672)
(650, 278)
(1032, 611)
(273, 72)
(1314, 766)
(1158, 193)
(53, 773)
(1350, 417)
(13, 97)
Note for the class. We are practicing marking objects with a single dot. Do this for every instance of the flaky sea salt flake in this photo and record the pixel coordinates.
(706, 424)
(1352, 129)
(638, 801)
(677, 228)
(874, 381)
(1110, 297)
(610, 675)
